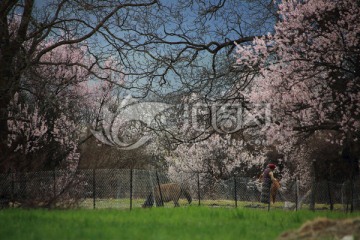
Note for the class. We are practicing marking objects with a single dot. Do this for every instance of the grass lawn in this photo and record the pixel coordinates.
(157, 223)
(123, 203)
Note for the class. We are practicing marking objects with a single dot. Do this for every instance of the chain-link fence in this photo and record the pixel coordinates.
(131, 188)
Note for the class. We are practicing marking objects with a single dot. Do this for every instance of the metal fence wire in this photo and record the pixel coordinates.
(132, 188)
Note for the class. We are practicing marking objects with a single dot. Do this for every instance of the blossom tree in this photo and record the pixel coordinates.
(46, 49)
(63, 86)
(309, 71)
(31, 135)
(217, 158)
(46, 119)
(43, 117)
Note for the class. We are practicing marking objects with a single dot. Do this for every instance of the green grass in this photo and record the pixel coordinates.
(124, 203)
(157, 223)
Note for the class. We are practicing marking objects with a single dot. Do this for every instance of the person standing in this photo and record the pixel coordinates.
(267, 178)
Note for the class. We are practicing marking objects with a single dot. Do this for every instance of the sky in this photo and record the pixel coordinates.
(214, 28)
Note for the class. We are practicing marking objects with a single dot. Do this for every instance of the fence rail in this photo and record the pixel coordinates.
(130, 188)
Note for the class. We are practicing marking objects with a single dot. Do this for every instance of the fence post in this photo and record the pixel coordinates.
(235, 191)
(329, 195)
(269, 197)
(352, 194)
(54, 187)
(94, 189)
(312, 200)
(198, 188)
(345, 196)
(131, 187)
(297, 193)
(161, 197)
(13, 189)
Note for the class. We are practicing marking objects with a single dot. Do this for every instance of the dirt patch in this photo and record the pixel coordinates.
(324, 228)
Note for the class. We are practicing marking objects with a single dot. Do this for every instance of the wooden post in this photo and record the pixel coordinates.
(312, 200)
(94, 189)
(161, 197)
(131, 187)
(269, 197)
(329, 196)
(352, 194)
(13, 189)
(198, 188)
(54, 187)
(235, 191)
(329, 188)
(297, 182)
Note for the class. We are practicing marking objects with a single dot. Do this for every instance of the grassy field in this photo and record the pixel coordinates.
(157, 223)
(123, 203)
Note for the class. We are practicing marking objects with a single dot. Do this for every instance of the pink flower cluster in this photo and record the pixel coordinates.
(308, 69)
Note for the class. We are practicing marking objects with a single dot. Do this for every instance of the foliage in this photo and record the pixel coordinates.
(34, 136)
(52, 46)
(46, 57)
(217, 158)
(308, 71)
